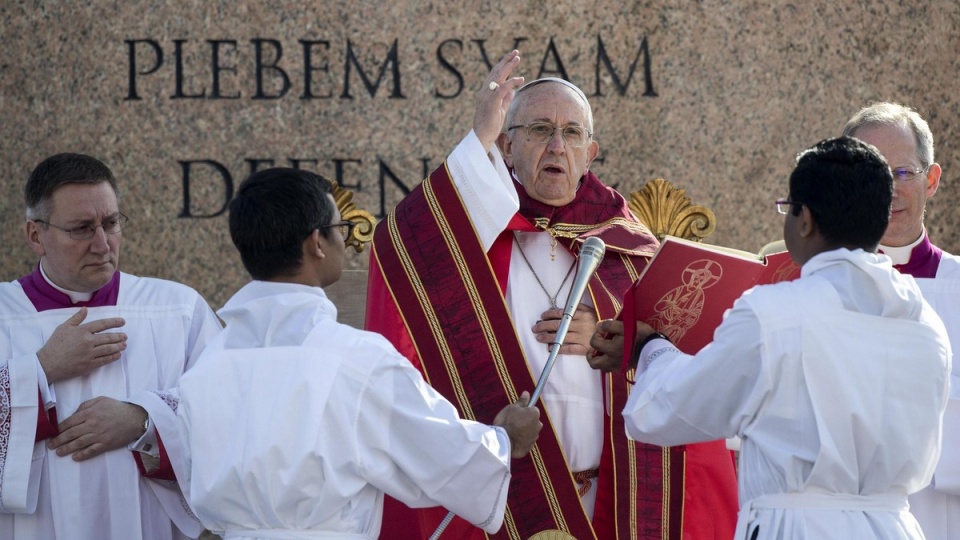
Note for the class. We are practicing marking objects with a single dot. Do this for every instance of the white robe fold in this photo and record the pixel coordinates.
(836, 383)
(46, 496)
(295, 426)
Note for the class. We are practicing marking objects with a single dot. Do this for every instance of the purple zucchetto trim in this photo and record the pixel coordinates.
(44, 296)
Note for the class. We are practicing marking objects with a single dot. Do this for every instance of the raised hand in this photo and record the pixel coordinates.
(577, 340)
(492, 104)
(75, 349)
(100, 424)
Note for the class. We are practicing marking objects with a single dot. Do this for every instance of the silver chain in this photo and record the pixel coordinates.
(553, 299)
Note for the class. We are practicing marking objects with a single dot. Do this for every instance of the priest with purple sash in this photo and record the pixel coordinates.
(467, 279)
(903, 137)
(80, 341)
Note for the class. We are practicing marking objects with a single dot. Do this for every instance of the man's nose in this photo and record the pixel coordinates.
(556, 143)
(99, 241)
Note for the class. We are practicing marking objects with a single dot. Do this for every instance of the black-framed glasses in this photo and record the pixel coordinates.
(906, 174)
(346, 228)
(543, 133)
(785, 205)
(111, 225)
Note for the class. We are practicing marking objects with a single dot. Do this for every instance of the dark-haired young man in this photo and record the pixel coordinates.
(293, 425)
(81, 341)
(836, 382)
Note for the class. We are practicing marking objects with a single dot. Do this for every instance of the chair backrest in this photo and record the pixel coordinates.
(666, 209)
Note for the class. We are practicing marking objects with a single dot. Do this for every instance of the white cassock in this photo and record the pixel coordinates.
(836, 383)
(293, 426)
(573, 395)
(937, 507)
(45, 496)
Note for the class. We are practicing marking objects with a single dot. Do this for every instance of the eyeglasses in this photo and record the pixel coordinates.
(906, 174)
(785, 205)
(543, 132)
(346, 228)
(112, 225)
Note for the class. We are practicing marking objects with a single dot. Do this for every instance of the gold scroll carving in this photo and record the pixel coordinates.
(666, 210)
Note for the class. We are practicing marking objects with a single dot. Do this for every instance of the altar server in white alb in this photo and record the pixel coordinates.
(836, 382)
(905, 140)
(79, 340)
(293, 425)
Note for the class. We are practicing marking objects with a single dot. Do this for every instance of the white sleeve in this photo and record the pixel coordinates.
(485, 185)
(947, 475)
(680, 399)
(19, 471)
(413, 446)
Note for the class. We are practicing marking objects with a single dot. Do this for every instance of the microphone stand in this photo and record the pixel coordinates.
(592, 250)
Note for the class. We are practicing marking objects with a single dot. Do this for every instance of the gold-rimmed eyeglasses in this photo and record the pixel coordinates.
(543, 133)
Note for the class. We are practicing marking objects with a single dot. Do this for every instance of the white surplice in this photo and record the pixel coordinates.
(836, 383)
(45, 496)
(573, 396)
(294, 426)
(937, 507)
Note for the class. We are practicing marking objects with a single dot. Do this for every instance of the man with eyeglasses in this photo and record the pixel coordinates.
(467, 278)
(835, 382)
(905, 140)
(310, 421)
(81, 341)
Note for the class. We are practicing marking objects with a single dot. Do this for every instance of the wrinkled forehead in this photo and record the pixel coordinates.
(546, 98)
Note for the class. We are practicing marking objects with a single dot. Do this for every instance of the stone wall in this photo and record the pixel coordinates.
(184, 99)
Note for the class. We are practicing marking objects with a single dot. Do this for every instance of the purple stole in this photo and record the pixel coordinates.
(428, 260)
(924, 260)
(43, 296)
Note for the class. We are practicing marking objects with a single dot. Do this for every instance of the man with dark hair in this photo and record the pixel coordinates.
(312, 421)
(905, 140)
(82, 342)
(468, 277)
(836, 382)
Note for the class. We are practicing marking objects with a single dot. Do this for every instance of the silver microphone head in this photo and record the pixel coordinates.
(593, 248)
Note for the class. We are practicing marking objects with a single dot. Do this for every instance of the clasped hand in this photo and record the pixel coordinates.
(577, 340)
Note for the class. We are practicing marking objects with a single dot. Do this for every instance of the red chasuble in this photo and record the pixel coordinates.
(439, 298)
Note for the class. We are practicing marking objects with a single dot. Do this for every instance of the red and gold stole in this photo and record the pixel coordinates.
(449, 294)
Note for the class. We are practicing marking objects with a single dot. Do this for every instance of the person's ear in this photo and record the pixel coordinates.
(808, 225)
(34, 240)
(593, 150)
(933, 179)
(313, 245)
(505, 145)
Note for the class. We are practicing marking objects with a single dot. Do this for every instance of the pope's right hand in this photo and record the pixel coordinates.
(492, 104)
(76, 348)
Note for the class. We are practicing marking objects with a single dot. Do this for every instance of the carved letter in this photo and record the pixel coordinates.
(338, 173)
(132, 61)
(483, 50)
(560, 72)
(385, 173)
(216, 68)
(309, 68)
(186, 167)
(392, 60)
(622, 88)
(449, 67)
(261, 66)
(178, 73)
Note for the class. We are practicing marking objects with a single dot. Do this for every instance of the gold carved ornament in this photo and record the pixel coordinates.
(665, 209)
(363, 232)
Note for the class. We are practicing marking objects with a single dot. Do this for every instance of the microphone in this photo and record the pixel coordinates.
(591, 254)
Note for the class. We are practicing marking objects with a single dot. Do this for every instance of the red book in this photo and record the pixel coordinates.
(687, 287)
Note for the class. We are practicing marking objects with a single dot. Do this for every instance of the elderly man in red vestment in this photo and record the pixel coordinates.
(466, 276)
